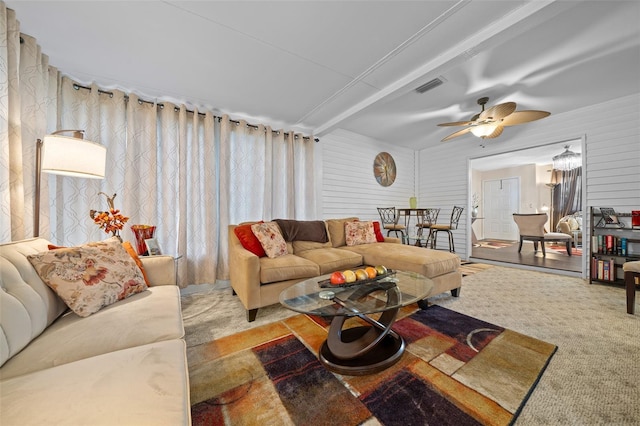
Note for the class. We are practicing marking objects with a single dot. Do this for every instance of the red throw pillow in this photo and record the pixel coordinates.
(249, 240)
(378, 232)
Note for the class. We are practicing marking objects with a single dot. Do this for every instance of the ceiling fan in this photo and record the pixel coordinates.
(490, 123)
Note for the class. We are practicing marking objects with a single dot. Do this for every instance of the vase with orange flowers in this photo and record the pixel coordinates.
(110, 221)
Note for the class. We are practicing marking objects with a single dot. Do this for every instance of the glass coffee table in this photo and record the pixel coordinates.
(364, 349)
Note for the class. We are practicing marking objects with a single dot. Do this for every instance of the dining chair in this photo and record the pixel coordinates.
(426, 219)
(531, 228)
(389, 218)
(453, 224)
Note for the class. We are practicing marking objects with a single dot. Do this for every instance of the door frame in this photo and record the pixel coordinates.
(580, 140)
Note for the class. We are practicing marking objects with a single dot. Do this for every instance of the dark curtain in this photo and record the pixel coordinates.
(567, 194)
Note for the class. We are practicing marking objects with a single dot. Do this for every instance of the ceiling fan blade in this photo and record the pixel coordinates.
(498, 112)
(456, 134)
(457, 123)
(521, 117)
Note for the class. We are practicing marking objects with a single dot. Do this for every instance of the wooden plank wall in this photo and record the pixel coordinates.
(347, 185)
(610, 134)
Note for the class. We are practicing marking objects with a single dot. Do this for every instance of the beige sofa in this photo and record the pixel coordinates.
(125, 364)
(258, 281)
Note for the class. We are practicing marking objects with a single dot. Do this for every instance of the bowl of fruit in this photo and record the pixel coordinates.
(364, 275)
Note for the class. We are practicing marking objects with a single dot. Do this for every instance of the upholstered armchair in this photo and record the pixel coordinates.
(531, 228)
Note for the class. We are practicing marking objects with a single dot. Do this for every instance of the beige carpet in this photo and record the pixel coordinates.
(593, 379)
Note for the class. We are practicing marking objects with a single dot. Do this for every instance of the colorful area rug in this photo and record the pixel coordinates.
(457, 370)
(470, 268)
(562, 249)
(495, 244)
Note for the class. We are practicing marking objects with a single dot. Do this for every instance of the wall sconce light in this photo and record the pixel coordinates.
(67, 156)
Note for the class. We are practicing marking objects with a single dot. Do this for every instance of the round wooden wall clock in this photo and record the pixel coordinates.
(384, 169)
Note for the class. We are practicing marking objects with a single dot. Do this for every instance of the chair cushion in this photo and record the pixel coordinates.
(397, 227)
(441, 227)
(631, 266)
(557, 236)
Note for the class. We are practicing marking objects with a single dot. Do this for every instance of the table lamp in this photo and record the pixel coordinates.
(67, 156)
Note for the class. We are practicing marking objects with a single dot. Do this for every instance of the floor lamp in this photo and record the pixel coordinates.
(67, 156)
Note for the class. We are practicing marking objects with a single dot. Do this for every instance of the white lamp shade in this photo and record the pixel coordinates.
(62, 155)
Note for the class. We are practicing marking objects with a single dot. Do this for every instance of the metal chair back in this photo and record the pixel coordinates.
(388, 216)
(455, 217)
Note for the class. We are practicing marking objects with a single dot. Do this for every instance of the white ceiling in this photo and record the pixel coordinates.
(320, 65)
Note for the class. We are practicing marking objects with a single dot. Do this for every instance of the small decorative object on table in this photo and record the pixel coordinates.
(153, 248)
(475, 203)
(110, 221)
(142, 233)
(609, 217)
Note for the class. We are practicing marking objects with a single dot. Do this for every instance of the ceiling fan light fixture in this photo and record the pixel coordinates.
(568, 160)
(484, 130)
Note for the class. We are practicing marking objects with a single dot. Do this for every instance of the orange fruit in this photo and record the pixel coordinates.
(371, 271)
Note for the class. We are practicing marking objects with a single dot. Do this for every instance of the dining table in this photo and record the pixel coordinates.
(408, 213)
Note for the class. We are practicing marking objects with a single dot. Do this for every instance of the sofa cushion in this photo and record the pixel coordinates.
(357, 233)
(91, 276)
(270, 238)
(332, 259)
(286, 267)
(248, 239)
(336, 231)
(145, 385)
(154, 316)
(430, 263)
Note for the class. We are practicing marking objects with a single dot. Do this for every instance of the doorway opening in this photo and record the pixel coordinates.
(521, 181)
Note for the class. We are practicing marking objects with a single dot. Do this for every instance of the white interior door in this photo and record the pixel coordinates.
(501, 198)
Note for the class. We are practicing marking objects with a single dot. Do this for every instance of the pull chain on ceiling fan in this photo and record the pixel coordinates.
(491, 122)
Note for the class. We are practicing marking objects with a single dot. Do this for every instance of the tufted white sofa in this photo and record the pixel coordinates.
(125, 364)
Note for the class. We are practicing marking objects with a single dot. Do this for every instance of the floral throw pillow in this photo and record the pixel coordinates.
(359, 233)
(90, 277)
(270, 238)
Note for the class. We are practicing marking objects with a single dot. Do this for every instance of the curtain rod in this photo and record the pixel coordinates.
(161, 105)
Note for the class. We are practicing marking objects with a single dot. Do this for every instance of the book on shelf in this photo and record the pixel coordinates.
(603, 269)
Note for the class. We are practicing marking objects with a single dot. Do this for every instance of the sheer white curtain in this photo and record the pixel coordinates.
(187, 172)
(27, 112)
